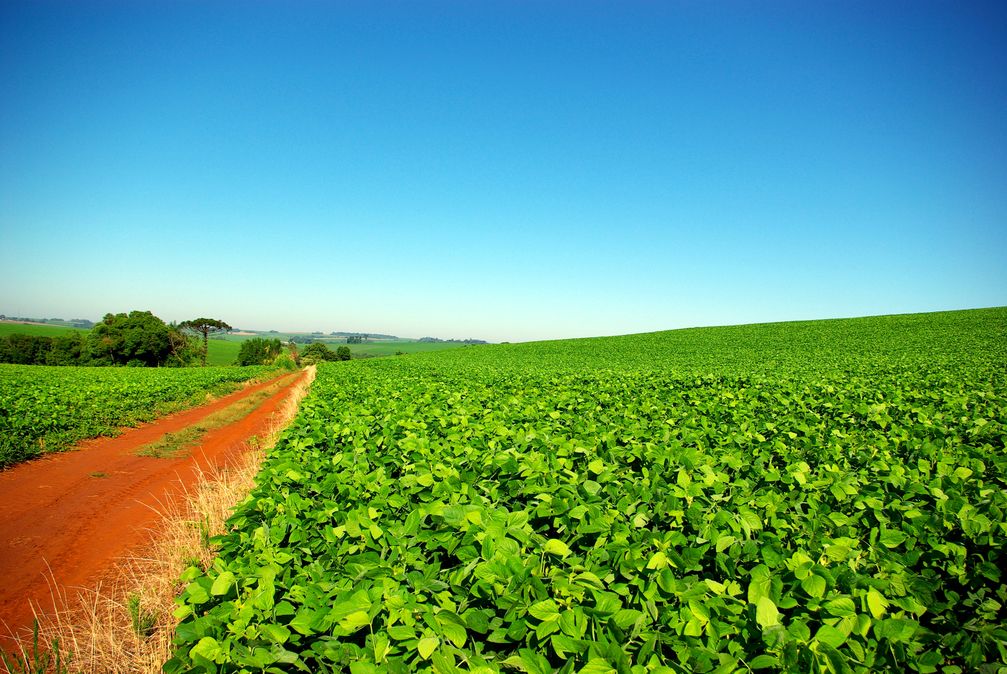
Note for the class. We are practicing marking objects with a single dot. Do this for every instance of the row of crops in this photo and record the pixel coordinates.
(51, 408)
(806, 497)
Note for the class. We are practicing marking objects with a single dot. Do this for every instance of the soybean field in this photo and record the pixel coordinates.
(825, 496)
(45, 409)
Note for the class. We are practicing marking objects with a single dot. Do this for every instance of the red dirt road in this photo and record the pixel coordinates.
(58, 522)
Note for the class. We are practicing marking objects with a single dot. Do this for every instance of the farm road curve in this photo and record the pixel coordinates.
(68, 517)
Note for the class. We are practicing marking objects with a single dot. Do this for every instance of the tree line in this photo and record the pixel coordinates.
(134, 339)
(141, 339)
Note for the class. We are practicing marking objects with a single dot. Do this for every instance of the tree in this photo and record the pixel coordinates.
(24, 349)
(67, 350)
(139, 337)
(184, 347)
(205, 327)
(316, 353)
(259, 351)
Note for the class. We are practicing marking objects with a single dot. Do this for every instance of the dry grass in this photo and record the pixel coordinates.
(126, 625)
(174, 445)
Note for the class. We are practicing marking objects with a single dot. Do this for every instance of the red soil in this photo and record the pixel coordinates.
(60, 524)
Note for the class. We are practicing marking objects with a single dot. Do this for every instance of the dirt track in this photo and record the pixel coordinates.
(68, 517)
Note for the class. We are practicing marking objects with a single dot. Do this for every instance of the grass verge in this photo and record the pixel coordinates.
(127, 625)
(175, 445)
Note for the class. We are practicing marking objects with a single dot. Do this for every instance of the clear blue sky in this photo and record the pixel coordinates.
(505, 171)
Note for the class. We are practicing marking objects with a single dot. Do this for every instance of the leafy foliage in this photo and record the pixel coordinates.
(50, 408)
(139, 337)
(808, 497)
(319, 352)
(259, 351)
(136, 338)
(205, 327)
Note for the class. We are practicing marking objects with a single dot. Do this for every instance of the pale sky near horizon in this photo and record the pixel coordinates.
(502, 170)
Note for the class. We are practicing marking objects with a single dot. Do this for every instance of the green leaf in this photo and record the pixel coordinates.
(606, 603)
(658, 561)
(362, 668)
(760, 585)
(307, 621)
(836, 660)
(895, 629)
(715, 586)
(476, 621)
(626, 618)
(554, 546)
(577, 512)
(750, 520)
(827, 634)
(841, 607)
(876, 603)
(358, 601)
(355, 620)
(892, 539)
(455, 633)
(275, 633)
(724, 542)
(381, 647)
(222, 584)
(764, 662)
(426, 646)
(443, 664)
(799, 631)
(814, 585)
(529, 661)
(208, 648)
(700, 611)
(545, 610)
(766, 613)
(401, 632)
(196, 594)
(566, 646)
(597, 666)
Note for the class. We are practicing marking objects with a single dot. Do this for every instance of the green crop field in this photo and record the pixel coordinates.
(46, 409)
(391, 348)
(824, 496)
(222, 352)
(372, 348)
(8, 328)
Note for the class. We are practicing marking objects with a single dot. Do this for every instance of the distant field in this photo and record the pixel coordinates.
(7, 328)
(223, 349)
(222, 352)
(372, 348)
(391, 348)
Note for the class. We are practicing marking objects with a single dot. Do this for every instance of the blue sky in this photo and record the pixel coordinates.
(505, 171)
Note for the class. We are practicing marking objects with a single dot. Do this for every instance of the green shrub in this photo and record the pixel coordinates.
(284, 362)
(259, 351)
